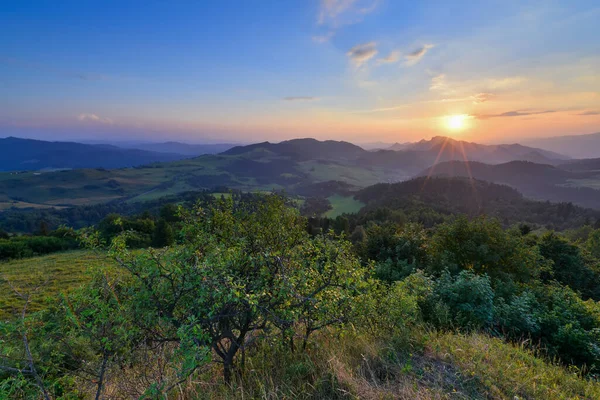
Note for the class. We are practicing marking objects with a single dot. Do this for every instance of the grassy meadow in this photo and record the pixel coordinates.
(55, 272)
(343, 205)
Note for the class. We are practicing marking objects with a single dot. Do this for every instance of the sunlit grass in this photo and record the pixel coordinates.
(56, 272)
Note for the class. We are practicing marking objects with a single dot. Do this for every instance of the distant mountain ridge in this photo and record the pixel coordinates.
(304, 149)
(575, 146)
(28, 154)
(450, 149)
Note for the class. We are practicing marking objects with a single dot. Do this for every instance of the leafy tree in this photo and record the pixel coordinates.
(482, 246)
(243, 268)
(569, 266)
(469, 298)
(163, 234)
(96, 327)
(593, 243)
(397, 253)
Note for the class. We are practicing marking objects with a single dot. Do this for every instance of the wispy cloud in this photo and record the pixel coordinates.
(362, 53)
(482, 97)
(505, 83)
(586, 113)
(514, 114)
(392, 58)
(344, 12)
(301, 98)
(415, 56)
(438, 82)
(88, 117)
(323, 38)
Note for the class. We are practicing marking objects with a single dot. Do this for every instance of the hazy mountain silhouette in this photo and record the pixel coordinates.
(304, 149)
(28, 154)
(576, 146)
(447, 149)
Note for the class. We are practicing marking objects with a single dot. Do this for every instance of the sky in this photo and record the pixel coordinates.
(254, 70)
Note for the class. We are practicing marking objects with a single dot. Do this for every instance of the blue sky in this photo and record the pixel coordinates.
(360, 70)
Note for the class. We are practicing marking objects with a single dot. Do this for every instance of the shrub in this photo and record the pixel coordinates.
(469, 299)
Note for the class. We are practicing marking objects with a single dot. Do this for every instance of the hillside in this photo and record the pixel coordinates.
(27, 154)
(449, 196)
(537, 181)
(186, 149)
(304, 149)
(575, 146)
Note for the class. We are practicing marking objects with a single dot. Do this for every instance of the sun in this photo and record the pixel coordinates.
(457, 122)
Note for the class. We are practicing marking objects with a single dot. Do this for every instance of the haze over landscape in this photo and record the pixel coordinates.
(328, 199)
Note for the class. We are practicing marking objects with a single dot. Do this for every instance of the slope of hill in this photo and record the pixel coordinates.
(304, 149)
(27, 154)
(473, 197)
(576, 146)
(185, 149)
(537, 181)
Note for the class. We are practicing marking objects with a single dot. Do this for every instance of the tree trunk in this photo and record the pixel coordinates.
(101, 377)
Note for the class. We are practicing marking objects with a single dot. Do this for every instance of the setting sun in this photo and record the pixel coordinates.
(457, 122)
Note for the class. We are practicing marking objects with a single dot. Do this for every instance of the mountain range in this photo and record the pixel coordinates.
(299, 166)
(28, 154)
(575, 146)
(449, 149)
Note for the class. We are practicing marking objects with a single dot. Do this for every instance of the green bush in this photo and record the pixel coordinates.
(469, 299)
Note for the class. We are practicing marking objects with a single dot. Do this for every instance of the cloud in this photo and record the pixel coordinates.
(323, 38)
(505, 83)
(301, 98)
(86, 117)
(514, 114)
(589, 113)
(392, 58)
(361, 53)
(344, 12)
(482, 97)
(416, 56)
(438, 82)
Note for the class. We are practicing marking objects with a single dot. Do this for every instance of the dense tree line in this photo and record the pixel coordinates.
(29, 220)
(40, 243)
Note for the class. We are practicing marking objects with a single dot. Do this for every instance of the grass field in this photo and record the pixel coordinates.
(343, 204)
(62, 271)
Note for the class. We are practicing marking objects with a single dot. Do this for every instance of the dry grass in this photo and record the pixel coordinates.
(508, 371)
